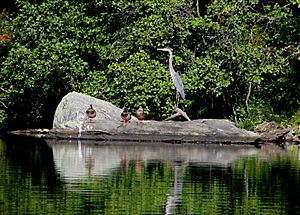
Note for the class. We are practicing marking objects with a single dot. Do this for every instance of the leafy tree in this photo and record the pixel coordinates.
(236, 58)
(240, 58)
(46, 60)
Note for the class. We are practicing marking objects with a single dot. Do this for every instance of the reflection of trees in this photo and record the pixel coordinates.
(249, 184)
(273, 180)
(31, 156)
(208, 189)
(28, 179)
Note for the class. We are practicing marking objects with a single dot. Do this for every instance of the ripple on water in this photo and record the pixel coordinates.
(80, 178)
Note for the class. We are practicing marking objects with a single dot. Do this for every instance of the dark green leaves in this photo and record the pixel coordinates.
(108, 49)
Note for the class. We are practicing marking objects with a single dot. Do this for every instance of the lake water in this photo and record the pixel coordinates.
(38, 177)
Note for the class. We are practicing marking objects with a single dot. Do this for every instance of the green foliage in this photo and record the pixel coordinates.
(260, 112)
(229, 53)
(139, 81)
(254, 115)
(45, 61)
(240, 48)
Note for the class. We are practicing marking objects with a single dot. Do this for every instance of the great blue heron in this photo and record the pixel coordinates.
(177, 81)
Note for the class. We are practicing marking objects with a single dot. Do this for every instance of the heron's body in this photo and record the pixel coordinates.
(177, 81)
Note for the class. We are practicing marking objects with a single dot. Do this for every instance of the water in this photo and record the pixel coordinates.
(38, 177)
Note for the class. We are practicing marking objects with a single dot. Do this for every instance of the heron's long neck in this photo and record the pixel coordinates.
(171, 60)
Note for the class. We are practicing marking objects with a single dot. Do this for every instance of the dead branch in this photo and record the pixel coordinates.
(179, 112)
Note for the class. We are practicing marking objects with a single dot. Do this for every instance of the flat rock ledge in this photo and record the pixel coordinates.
(195, 131)
(70, 122)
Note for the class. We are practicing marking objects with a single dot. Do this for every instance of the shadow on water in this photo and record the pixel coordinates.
(85, 177)
(31, 156)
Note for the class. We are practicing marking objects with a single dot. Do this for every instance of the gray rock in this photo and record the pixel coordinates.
(266, 127)
(70, 121)
(70, 113)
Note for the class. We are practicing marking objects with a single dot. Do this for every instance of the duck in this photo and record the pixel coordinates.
(126, 117)
(140, 114)
(90, 112)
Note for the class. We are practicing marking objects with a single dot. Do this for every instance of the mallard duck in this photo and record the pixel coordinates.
(125, 116)
(90, 112)
(140, 113)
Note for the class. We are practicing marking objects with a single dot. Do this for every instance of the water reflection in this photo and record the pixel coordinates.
(80, 159)
(58, 177)
(75, 160)
(174, 195)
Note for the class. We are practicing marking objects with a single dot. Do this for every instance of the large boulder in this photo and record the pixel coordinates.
(70, 113)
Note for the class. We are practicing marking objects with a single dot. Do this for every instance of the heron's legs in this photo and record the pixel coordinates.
(177, 98)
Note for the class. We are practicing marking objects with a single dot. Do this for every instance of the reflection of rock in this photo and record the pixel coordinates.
(270, 151)
(71, 159)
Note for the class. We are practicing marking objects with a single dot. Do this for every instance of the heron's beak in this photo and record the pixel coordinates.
(164, 49)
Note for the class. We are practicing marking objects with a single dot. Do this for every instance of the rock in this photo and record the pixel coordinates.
(280, 135)
(71, 122)
(266, 127)
(70, 112)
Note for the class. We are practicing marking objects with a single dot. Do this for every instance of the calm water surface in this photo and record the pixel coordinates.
(38, 177)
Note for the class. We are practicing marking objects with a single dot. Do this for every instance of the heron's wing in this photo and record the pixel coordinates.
(178, 84)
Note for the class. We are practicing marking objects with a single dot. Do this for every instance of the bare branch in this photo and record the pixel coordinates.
(2, 103)
(179, 112)
(4, 90)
